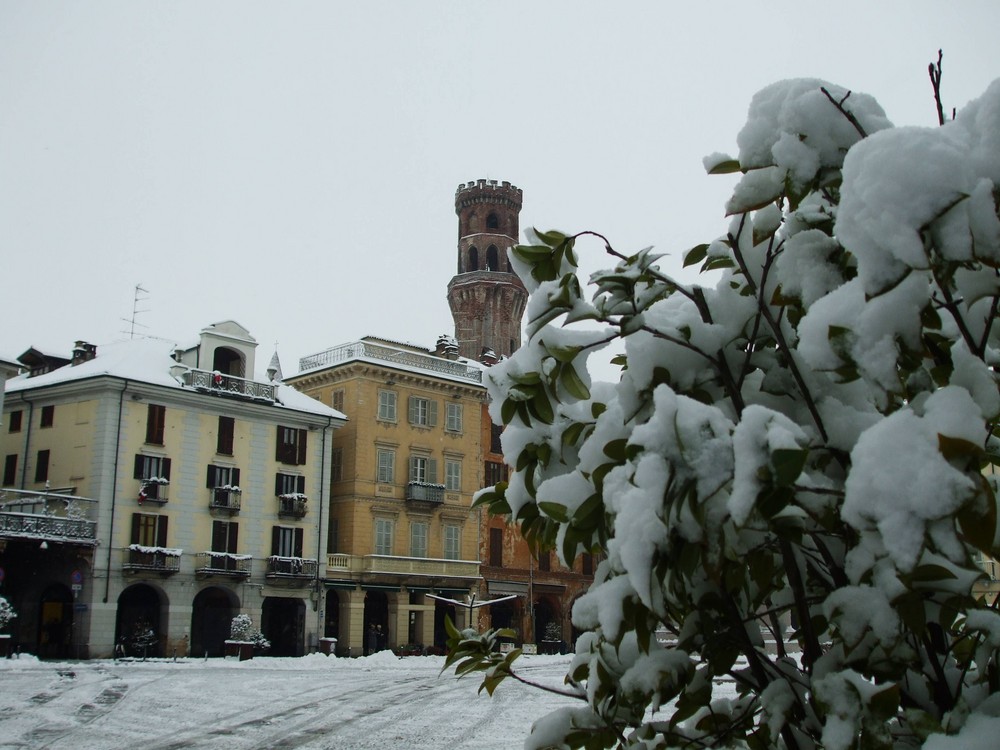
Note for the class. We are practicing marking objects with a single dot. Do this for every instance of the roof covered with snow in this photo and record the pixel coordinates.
(149, 361)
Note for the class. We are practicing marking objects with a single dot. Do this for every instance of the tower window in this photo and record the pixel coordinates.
(473, 259)
(492, 262)
(492, 222)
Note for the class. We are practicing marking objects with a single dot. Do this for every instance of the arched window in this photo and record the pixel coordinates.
(473, 223)
(492, 260)
(473, 259)
(492, 222)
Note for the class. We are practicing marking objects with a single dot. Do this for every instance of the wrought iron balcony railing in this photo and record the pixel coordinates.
(47, 516)
(152, 491)
(291, 506)
(291, 567)
(229, 385)
(425, 492)
(225, 499)
(157, 559)
(224, 564)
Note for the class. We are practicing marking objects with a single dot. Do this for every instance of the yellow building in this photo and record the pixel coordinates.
(151, 493)
(404, 470)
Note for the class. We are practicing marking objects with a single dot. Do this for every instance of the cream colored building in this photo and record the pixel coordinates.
(404, 470)
(153, 492)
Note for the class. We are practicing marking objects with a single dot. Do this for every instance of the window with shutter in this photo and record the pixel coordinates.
(496, 547)
(452, 542)
(226, 438)
(42, 466)
(387, 406)
(149, 530)
(291, 446)
(48, 416)
(10, 470)
(337, 465)
(453, 417)
(383, 536)
(386, 463)
(156, 416)
(453, 475)
(418, 539)
(422, 412)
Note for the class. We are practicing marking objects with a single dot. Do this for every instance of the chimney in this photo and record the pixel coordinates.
(83, 352)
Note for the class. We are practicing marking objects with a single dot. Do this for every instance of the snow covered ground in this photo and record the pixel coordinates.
(311, 702)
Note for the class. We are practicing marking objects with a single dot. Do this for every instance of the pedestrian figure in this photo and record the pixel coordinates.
(371, 641)
(379, 638)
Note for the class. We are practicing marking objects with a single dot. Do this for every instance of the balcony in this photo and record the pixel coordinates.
(301, 568)
(153, 491)
(223, 564)
(292, 506)
(163, 560)
(339, 563)
(230, 386)
(392, 356)
(226, 499)
(425, 492)
(47, 516)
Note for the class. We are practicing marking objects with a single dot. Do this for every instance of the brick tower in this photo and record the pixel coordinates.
(486, 297)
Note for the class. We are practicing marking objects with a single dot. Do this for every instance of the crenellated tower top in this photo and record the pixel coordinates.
(486, 297)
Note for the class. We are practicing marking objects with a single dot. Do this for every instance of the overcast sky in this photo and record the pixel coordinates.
(293, 165)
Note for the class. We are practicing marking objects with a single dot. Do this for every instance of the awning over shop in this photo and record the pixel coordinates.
(507, 587)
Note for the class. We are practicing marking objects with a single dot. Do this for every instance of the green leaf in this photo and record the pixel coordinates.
(695, 255)
(956, 449)
(979, 528)
(787, 465)
(615, 450)
(572, 383)
(729, 166)
(554, 511)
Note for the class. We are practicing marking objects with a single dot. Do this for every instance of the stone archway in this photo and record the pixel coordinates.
(331, 626)
(212, 614)
(441, 611)
(142, 612)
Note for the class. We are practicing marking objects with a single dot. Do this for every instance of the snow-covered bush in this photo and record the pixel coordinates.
(802, 453)
(7, 613)
(241, 629)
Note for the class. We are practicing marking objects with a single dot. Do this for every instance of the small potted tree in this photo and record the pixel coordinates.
(244, 638)
(7, 614)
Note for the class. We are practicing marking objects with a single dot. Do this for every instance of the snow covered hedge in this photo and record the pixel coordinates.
(7, 613)
(803, 451)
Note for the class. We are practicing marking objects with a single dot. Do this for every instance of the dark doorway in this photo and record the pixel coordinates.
(547, 626)
(331, 628)
(228, 362)
(212, 615)
(376, 621)
(137, 628)
(55, 622)
(282, 620)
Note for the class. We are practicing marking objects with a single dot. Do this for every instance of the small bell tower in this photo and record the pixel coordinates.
(487, 299)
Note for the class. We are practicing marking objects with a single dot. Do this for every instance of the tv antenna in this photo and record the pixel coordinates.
(136, 299)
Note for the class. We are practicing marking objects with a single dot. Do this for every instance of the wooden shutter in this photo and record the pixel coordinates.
(226, 435)
(432, 470)
(413, 469)
(165, 469)
(275, 540)
(301, 457)
(233, 539)
(299, 535)
(155, 417)
(411, 408)
(234, 477)
(219, 536)
(136, 520)
(161, 531)
(496, 547)
(300, 485)
(432, 413)
(210, 477)
(138, 467)
(278, 489)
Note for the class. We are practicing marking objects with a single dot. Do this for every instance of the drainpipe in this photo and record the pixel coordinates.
(317, 588)
(114, 491)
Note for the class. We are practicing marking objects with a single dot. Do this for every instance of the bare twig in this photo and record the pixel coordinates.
(844, 111)
(934, 70)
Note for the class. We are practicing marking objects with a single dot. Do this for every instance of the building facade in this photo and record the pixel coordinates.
(404, 470)
(151, 493)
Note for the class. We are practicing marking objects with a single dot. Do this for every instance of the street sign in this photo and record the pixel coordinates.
(76, 577)
(77, 587)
